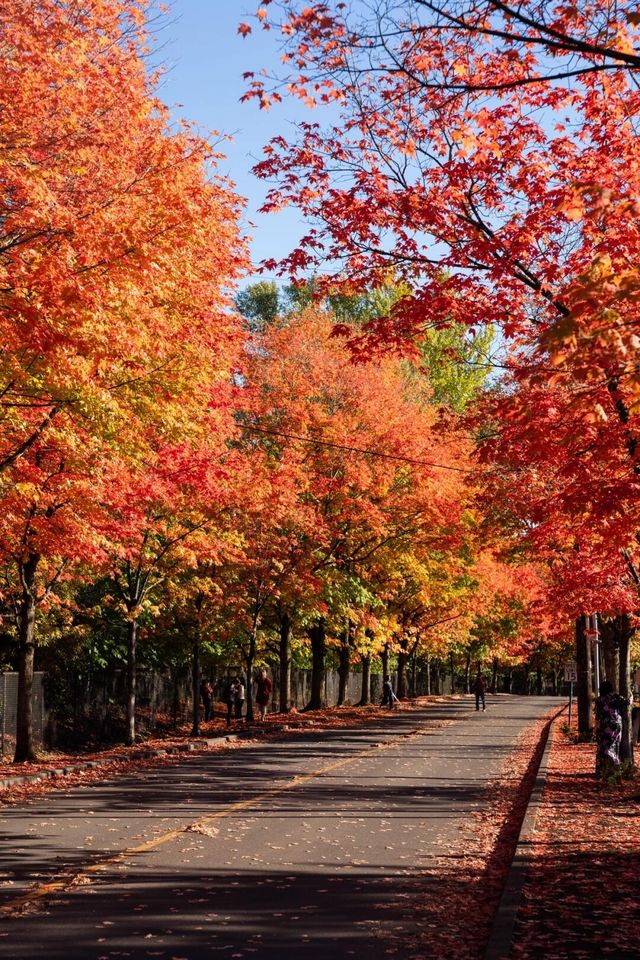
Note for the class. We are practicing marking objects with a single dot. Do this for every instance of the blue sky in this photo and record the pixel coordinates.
(205, 58)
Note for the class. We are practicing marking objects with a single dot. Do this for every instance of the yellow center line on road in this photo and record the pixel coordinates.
(42, 891)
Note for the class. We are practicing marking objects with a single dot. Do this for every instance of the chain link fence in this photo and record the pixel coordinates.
(9, 711)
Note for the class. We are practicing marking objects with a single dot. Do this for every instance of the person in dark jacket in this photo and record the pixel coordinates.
(479, 688)
(263, 693)
(206, 695)
(389, 698)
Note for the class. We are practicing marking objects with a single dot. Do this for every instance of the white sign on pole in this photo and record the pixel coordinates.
(571, 672)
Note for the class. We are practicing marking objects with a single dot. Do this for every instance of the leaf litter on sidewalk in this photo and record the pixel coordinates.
(581, 899)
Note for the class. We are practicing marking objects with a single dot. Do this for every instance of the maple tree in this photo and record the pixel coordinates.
(487, 153)
(319, 411)
(115, 256)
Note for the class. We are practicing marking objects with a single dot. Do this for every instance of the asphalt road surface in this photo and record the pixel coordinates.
(305, 849)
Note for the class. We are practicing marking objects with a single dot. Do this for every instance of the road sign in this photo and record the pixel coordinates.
(571, 672)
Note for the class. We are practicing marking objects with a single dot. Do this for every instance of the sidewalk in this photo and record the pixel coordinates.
(580, 899)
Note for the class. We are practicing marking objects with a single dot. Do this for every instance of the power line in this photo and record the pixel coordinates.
(349, 449)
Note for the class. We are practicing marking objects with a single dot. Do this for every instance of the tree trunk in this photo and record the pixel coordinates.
(583, 685)
(195, 680)
(624, 632)
(494, 675)
(365, 697)
(285, 663)
(539, 686)
(508, 681)
(344, 664)
(467, 674)
(414, 668)
(427, 674)
(175, 696)
(250, 664)
(611, 652)
(384, 658)
(401, 682)
(25, 751)
(452, 671)
(132, 637)
(318, 652)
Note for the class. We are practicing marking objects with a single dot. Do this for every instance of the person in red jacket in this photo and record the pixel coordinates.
(479, 688)
(263, 693)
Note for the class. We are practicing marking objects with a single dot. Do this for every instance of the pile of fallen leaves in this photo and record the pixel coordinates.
(459, 895)
(582, 896)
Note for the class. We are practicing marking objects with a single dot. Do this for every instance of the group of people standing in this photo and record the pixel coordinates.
(234, 696)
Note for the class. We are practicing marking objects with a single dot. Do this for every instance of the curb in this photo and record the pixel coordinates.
(499, 945)
(69, 768)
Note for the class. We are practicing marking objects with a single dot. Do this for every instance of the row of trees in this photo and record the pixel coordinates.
(179, 466)
(488, 153)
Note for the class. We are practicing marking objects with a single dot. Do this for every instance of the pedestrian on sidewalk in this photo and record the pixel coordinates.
(239, 697)
(479, 688)
(609, 707)
(389, 698)
(206, 695)
(230, 691)
(263, 693)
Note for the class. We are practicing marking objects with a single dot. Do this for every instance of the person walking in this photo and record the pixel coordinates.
(239, 698)
(230, 691)
(479, 688)
(263, 693)
(389, 698)
(609, 708)
(206, 695)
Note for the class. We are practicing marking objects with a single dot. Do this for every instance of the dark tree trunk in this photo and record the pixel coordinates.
(384, 658)
(401, 682)
(365, 696)
(583, 685)
(467, 674)
(427, 674)
(25, 751)
(439, 677)
(414, 668)
(452, 671)
(175, 702)
(539, 685)
(318, 653)
(132, 637)
(508, 680)
(285, 663)
(624, 632)
(195, 680)
(494, 675)
(611, 652)
(250, 664)
(344, 665)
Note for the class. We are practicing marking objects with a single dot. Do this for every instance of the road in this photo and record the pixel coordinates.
(306, 848)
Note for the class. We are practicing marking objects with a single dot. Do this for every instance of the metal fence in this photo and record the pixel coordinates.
(9, 711)
(68, 707)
